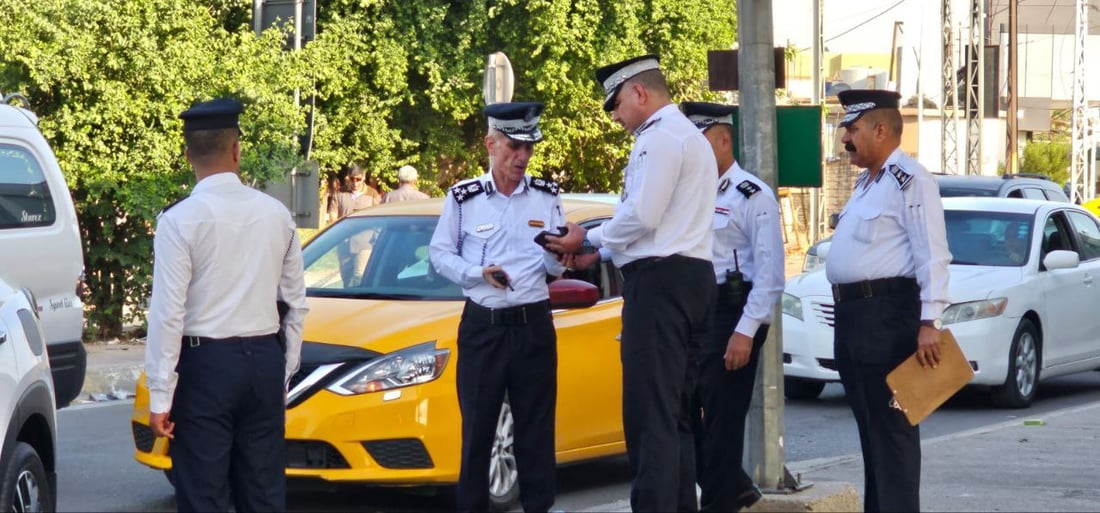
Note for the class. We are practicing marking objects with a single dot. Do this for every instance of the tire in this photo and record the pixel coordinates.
(1024, 362)
(503, 476)
(25, 487)
(802, 389)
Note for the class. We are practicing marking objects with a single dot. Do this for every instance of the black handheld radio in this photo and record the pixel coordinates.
(735, 287)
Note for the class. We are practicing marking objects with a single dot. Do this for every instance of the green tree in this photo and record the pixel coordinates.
(1048, 157)
(107, 79)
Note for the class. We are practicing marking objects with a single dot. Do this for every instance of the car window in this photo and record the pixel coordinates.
(604, 276)
(988, 238)
(1031, 193)
(376, 257)
(25, 199)
(1056, 234)
(1088, 235)
(953, 192)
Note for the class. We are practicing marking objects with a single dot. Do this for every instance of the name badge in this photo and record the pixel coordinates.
(536, 223)
(483, 227)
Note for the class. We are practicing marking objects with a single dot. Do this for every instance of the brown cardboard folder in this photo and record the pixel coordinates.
(918, 390)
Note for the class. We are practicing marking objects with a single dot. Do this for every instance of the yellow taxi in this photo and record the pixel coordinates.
(375, 399)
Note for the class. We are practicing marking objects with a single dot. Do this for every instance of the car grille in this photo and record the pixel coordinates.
(303, 371)
(313, 454)
(143, 437)
(400, 453)
(823, 312)
(827, 363)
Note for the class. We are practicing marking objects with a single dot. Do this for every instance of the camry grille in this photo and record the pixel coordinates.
(823, 312)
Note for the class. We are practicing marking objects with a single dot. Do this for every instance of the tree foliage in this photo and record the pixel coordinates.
(1048, 157)
(395, 82)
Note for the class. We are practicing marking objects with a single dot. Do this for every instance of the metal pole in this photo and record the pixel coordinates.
(758, 138)
(817, 98)
(1012, 155)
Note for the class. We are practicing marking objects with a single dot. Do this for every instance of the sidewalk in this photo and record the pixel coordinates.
(112, 371)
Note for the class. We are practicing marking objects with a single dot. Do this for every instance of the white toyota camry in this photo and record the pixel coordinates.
(1023, 299)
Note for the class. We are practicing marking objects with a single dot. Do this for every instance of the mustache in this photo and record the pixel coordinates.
(849, 147)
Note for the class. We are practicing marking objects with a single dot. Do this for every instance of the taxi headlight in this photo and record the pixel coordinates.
(410, 366)
(974, 310)
(792, 306)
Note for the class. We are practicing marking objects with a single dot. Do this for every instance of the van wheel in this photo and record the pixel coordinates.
(25, 488)
(795, 388)
(503, 476)
(1024, 360)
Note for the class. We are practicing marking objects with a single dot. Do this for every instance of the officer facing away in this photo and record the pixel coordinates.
(216, 369)
(484, 242)
(888, 265)
(748, 267)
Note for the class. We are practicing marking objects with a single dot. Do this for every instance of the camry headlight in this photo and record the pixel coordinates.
(410, 366)
(974, 310)
(792, 306)
(812, 263)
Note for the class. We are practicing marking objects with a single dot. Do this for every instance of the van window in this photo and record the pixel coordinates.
(25, 199)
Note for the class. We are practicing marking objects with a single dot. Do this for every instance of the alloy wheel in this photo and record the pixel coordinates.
(502, 464)
(28, 495)
(1026, 364)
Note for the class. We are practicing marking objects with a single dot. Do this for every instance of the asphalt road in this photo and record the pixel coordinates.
(97, 471)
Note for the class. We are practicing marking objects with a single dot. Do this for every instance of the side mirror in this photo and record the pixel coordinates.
(833, 220)
(1061, 259)
(569, 293)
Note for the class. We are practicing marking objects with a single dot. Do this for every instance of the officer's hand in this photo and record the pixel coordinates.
(585, 260)
(487, 274)
(160, 425)
(738, 351)
(571, 242)
(928, 347)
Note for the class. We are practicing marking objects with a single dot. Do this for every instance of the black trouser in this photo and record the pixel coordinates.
(873, 335)
(723, 398)
(511, 350)
(230, 420)
(666, 316)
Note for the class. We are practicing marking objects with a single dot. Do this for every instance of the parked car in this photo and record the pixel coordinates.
(1022, 313)
(28, 456)
(1021, 186)
(41, 241)
(375, 400)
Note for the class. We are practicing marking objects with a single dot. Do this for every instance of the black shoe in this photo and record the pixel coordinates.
(748, 498)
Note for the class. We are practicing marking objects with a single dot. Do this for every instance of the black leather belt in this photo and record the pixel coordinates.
(509, 316)
(642, 263)
(872, 288)
(196, 341)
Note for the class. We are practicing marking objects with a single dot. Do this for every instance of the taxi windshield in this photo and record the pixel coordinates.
(376, 257)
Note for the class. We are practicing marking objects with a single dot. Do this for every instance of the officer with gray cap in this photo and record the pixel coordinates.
(215, 365)
(748, 268)
(484, 242)
(888, 265)
(660, 236)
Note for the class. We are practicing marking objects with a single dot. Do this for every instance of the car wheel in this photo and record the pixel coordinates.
(503, 476)
(25, 488)
(1023, 369)
(804, 389)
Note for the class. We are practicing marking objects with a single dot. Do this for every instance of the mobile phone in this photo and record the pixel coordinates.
(503, 279)
(540, 239)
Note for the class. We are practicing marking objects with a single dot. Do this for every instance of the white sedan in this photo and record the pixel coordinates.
(1023, 299)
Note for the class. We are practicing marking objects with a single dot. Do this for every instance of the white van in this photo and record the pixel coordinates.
(40, 242)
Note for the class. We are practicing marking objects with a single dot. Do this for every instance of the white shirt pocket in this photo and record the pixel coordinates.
(866, 225)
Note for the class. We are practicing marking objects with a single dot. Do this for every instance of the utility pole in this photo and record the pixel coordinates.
(949, 108)
(975, 90)
(1012, 154)
(756, 67)
(817, 98)
(893, 76)
(1081, 188)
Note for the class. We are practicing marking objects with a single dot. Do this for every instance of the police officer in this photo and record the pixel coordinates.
(484, 242)
(660, 236)
(748, 267)
(888, 265)
(215, 366)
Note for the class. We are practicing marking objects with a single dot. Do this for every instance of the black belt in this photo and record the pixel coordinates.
(872, 288)
(642, 263)
(509, 316)
(196, 341)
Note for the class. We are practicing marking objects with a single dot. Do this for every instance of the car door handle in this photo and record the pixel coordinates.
(619, 337)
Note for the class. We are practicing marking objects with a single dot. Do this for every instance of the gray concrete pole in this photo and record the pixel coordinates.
(756, 70)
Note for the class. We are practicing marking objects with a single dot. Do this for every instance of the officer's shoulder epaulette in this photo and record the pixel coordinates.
(748, 188)
(646, 126)
(466, 190)
(903, 177)
(548, 186)
(170, 205)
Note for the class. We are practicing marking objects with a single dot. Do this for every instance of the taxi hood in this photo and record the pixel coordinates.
(382, 325)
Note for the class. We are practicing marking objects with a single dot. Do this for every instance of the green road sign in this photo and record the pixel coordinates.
(798, 128)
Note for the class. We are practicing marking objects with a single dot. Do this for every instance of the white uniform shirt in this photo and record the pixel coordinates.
(498, 229)
(746, 219)
(894, 227)
(663, 210)
(222, 257)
